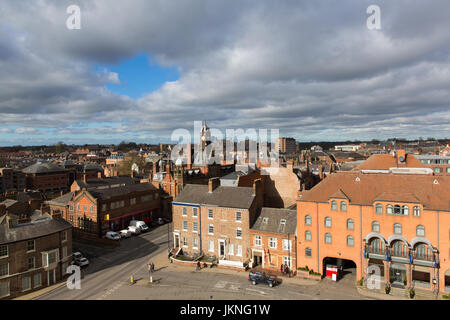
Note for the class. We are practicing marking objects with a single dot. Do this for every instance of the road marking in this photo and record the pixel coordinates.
(256, 290)
(110, 291)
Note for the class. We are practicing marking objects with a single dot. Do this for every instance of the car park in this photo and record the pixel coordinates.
(112, 235)
(79, 259)
(258, 277)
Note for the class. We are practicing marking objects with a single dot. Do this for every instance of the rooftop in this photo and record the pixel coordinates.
(270, 221)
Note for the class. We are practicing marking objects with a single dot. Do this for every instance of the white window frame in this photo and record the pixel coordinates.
(211, 246)
(185, 242)
(237, 236)
(273, 243)
(195, 226)
(29, 283)
(45, 256)
(195, 243)
(287, 244)
(8, 289)
(7, 272)
(7, 251)
(258, 240)
(287, 260)
(238, 250)
(209, 229)
(185, 225)
(184, 212)
(210, 214)
(231, 249)
(34, 246)
(195, 212)
(238, 213)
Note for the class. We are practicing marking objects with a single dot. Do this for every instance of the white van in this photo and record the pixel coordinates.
(112, 235)
(139, 224)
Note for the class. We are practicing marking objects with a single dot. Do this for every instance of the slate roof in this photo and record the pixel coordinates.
(108, 193)
(105, 182)
(62, 200)
(43, 167)
(269, 221)
(231, 197)
(32, 230)
(233, 175)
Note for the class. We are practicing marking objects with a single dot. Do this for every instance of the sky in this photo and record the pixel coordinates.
(138, 70)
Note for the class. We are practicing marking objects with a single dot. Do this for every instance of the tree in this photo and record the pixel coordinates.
(127, 163)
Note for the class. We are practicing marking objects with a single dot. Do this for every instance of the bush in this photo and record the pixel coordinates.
(446, 296)
(361, 282)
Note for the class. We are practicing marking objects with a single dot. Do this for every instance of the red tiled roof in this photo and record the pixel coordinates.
(386, 161)
(393, 187)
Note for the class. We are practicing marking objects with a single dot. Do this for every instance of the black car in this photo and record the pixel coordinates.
(258, 277)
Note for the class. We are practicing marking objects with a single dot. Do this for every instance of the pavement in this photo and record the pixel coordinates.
(108, 278)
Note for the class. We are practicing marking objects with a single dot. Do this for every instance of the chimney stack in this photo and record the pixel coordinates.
(84, 177)
(257, 186)
(213, 183)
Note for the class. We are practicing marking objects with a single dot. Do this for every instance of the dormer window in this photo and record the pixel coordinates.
(265, 220)
(283, 221)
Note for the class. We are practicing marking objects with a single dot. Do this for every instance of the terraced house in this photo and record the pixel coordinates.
(214, 220)
(33, 255)
(392, 222)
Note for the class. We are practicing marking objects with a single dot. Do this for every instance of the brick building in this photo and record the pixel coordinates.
(46, 177)
(273, 239)
(11, 180)
(286, 145)
(33, 255)
(397, 223)
(110, 207)
(215, 221)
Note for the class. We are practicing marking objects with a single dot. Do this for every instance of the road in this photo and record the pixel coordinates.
(107, 278)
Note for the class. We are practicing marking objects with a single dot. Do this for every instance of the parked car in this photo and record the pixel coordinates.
(112, 235)
(139, 224)
(79, 260)
(160, 221)
(125, 233)
(134, 230)
(258, 277)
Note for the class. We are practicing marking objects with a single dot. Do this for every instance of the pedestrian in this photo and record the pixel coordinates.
(198, 265)
(152, 266)
(282, 268)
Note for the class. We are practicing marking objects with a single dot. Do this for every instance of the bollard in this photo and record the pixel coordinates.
(151, 279)
(131, 280)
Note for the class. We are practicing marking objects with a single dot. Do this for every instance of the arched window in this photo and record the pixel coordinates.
(399, 249)
(334, 205)
(308, 220)
(397, 228)
(389, 209)
(327, 238)
(308, 252)
(405, 210)
(420, 231)
(397, 209)
(343, 206)
(350, 241)
(328, 222)
(375, 246)
(375, 226)
(379, 208)
(416, 211)
(350, 224)
(308, 235)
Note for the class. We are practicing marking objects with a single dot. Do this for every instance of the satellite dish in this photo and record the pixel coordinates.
(401, 158)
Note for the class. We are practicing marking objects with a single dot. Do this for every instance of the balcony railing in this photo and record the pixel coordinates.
(377, 250)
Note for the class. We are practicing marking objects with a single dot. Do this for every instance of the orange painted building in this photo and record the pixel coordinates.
(394, 224)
